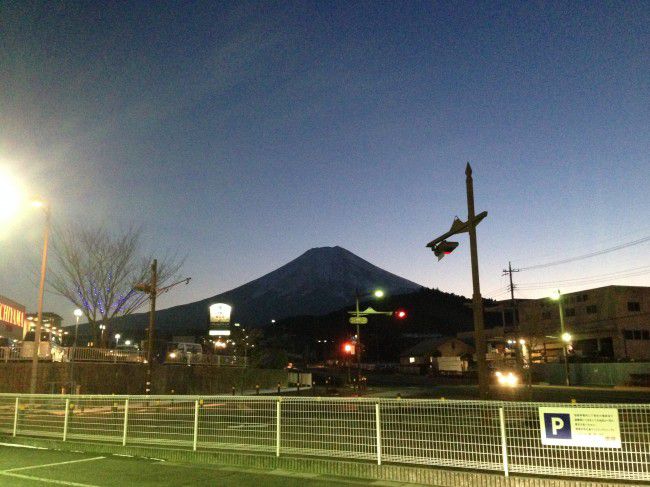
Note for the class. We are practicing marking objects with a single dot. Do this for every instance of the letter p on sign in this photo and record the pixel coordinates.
(557, 426)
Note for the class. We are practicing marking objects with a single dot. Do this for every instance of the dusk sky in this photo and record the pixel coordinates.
(245, 133)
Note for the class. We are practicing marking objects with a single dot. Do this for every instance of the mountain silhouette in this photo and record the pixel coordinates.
(320, 281)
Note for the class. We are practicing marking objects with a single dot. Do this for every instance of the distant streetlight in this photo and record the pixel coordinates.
(41, 288)
(77, 314)
(117, 339)
(359, 319)
(127, 343)
(566, 337)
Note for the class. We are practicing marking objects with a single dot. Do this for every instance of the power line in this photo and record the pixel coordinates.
(603, 242)
(587, 256)
(632, 272)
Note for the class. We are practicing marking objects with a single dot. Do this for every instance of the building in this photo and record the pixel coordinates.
(52, 323)
(422, 357)
(605, 323)
(12, 319)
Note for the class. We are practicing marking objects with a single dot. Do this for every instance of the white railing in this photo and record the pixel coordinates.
(66, 354)
(9, 354)
(479, 435)
(207, 359)
(83, 354)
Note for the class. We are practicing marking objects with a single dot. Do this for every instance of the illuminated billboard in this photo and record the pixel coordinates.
(12, 318)
(220, 319)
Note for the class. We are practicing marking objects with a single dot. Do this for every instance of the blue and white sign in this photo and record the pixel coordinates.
(577, 426)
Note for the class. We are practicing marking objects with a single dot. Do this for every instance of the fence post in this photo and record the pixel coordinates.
(196, 424)
(65, 419)
(126, 421)
(504, 444)
(16, 418)
(378, 429)
(277, 427)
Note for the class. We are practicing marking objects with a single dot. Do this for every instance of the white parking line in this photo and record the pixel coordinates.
(51, 464)
(48, 481)
(18, 445)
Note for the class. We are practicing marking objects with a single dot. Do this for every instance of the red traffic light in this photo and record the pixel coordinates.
(444, 248)
(400, 314)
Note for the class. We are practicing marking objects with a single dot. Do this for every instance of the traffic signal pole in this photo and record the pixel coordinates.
(358, 347)
(479, 325)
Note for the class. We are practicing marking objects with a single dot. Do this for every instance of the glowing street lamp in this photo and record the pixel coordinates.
(566, 337)
(117, 339)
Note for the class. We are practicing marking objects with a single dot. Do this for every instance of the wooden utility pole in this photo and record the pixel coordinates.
(153, 291)
(513, 302)
(479, 326)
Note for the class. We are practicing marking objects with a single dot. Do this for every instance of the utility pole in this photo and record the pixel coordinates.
(442, 247)
(153, 291)
(479, 325)
(520, 359)
(151, 288)
(513, 302)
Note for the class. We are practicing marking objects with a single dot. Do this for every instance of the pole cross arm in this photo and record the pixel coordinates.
(458, 226)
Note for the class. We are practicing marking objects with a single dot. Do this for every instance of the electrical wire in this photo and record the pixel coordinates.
(632, 272)
(587, 256)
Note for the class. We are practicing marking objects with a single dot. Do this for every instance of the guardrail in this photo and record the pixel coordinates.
(66, 354)
(85, 354)
(477, 435)
(205, 359)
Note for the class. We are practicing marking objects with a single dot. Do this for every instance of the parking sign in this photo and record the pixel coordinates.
(576, 426)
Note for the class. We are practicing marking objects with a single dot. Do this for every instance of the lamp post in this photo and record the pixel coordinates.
(564, 336)
(117, 339)
(41, 289)
(77, 314)
(358, 319)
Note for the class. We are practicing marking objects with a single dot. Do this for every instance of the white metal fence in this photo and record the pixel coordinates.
(86, 354)
(207, 359)
(492, 436)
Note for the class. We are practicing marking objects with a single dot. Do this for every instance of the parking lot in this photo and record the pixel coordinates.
(23, 467)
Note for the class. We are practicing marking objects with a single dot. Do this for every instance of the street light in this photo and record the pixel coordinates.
(117, 339)
(37, 203)
(77, 314)
(361, 319)
(566, 337)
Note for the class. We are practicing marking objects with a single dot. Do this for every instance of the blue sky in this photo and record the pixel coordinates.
(243, 134)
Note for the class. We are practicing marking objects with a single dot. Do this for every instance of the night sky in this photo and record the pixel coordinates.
(243, 134)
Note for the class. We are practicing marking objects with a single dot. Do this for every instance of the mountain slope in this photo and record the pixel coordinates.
(320, 281)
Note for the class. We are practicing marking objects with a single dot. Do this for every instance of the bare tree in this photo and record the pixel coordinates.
(97, 269)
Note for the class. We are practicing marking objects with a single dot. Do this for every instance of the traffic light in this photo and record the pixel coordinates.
(348, 348)
(400, 314)
(444, 248)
